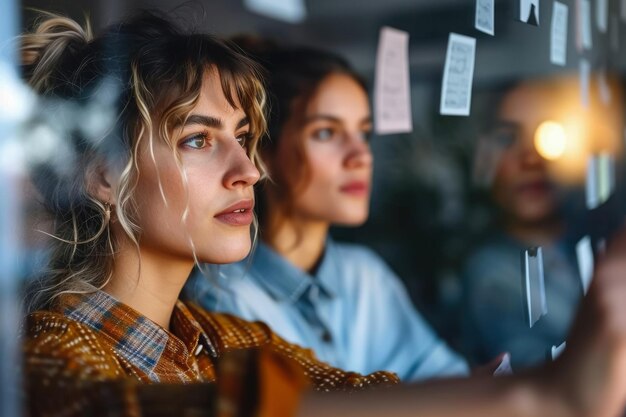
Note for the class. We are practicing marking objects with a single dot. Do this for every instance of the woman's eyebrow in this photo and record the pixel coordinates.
(208, 121)
(327, 117)
(214, 122)
(243, 122)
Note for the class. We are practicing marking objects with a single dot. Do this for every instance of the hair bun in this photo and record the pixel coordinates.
(43, 49)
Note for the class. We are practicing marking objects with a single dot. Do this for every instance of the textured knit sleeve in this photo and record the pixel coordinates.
(231, 333)
(68, 373)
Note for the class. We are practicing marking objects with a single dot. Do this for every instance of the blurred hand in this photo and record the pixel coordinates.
(591, 374)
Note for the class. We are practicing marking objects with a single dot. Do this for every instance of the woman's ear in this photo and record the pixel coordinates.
(101, 182)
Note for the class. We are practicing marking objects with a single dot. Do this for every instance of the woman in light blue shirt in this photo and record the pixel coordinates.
(341, 300)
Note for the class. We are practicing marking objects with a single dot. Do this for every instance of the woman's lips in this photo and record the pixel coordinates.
(355, 188)
(534, 187)
(238, 214)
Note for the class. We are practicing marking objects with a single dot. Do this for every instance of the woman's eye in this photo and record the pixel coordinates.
(505, 139)
(243, 139)
(196, 142)
(323, 134)
(366, 135)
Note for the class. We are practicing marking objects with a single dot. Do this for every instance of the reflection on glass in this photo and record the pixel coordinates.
(534, 286)
(584, 257)
(550, 140)
(556, 351)
(600, 179)
(13, 107)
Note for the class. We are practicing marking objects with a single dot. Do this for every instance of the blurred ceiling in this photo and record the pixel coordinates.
(351, 27)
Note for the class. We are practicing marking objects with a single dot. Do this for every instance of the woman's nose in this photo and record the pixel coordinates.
(241, 171)
(358, 154)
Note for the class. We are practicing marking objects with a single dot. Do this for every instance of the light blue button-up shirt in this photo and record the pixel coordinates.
(353, 312)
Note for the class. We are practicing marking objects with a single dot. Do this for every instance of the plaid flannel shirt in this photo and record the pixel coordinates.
(89, 340)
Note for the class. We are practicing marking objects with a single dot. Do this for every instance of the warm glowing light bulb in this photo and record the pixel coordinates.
(550, 140)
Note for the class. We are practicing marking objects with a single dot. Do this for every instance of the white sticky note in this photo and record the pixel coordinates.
(606, 176)
(458, 73)
(584, 69)
(584, 257)
(600, 182)
(392, 88)
(556, 351)
(591, 185)
(485, 16)
(291, 11)
(558, 34)
(529, 11)
(583, 17)
(602, 15)
(533, 285)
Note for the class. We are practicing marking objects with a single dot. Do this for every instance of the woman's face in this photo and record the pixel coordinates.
(334, 131)
(522, 186)
(208, 200)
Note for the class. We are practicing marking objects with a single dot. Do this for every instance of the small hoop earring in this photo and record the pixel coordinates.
(107, 212)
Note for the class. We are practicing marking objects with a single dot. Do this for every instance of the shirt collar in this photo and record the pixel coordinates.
(136, 338)
(190, 332)
(286, 282)
(328, 273)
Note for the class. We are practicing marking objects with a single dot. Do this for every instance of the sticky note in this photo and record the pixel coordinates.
(600, 179)
(392, 88)
(602, 15)
(533, 285)
(556, 351)
(529, 11)
(584, 257)
(458, 74)
(485, 16)
(291, 11)
(583, 17)
(558, 34)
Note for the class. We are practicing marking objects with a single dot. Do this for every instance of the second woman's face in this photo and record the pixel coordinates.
(335, 131)
(208, 199)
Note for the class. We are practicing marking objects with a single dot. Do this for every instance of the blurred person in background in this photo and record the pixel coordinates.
(533, 207)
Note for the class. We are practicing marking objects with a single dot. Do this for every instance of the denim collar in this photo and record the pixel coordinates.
(285, 281)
